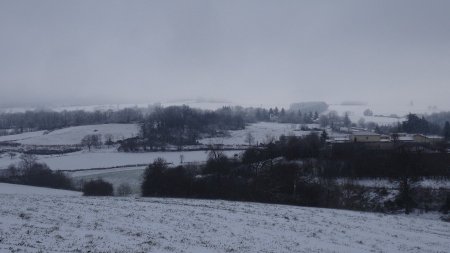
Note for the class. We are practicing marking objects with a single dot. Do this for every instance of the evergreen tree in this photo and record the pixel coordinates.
(347, 121)
(447, 131)
(152, 185)
(416, 125)
(307, 119)
(377, 130)
(299, 116)
(323, 137)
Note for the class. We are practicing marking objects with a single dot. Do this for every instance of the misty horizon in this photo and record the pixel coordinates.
(247, 53)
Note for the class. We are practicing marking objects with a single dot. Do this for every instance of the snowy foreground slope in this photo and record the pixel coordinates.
(67, 223)
(32, 190)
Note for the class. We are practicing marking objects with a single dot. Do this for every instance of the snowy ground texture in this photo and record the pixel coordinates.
(27, 190)
(67, 223)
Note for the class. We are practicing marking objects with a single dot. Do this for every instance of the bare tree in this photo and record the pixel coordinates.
(368, 112)
(347, 121)
(12, 155)
(109, 140)
(249, 138)
(27, 161)
(362, 122)
(181, 159)
(333, 118)
(324, 120)
(214, 151)
(91, 140)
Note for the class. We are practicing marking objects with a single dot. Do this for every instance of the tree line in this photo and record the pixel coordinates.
(300, 171)
(49, 120)
(30, 172)
(182, 125)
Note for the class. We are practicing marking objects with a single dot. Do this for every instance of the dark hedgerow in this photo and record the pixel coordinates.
(97, 188)
(36, 174)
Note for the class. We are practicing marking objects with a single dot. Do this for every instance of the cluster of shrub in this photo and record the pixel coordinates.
(302, 171)
(357, 160)
(99, 187)
(31, 172)
(181, 125)
(225, 178)
(36, 150)
(416, 124)
(437, 124)
(282, 183)
(293, 170)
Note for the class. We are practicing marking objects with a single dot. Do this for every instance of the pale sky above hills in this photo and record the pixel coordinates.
(249, 52)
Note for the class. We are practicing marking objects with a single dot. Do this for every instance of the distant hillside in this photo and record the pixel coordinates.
(307, 107)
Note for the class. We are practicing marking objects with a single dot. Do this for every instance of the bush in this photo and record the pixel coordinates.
(152, 185)
(98, 188)
(162, 181)
(446, 207)
(41, 175)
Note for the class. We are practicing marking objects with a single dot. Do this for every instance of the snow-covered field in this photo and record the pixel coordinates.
(110, 158)
(356, 112)
(34, 222)
(261, 131)
(131, 176)
(100, 158)
(96, 173)
(73, 135)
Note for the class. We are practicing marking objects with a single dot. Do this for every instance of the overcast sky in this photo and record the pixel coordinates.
(249, 52)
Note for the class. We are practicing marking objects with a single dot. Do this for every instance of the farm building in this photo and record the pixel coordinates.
(364, 136)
